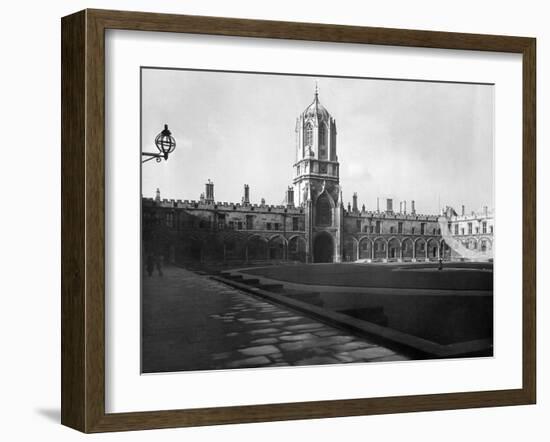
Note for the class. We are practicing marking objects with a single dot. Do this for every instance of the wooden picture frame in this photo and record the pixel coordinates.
(83, 220)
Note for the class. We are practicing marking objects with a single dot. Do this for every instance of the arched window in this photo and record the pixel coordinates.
(323, 214)
(323, 142)
(322, 135)
(309, 135)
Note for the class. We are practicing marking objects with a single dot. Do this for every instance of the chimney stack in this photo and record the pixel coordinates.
(485, 210)
(463, 210)
(413, 209)
(405, 207)
(290, 196)
(209, 192)
(378, 204)
(246, 197)
(157, 195)
(355, 210)
(389, 205)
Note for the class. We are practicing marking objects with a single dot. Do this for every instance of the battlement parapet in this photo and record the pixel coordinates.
(222, 205)
(391, 216)
(473, 216)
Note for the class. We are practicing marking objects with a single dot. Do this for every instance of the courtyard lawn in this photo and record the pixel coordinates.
(454, 276)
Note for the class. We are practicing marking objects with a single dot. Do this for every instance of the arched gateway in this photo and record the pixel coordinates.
(323, 248)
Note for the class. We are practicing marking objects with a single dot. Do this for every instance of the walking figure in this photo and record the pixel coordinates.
(159, 261)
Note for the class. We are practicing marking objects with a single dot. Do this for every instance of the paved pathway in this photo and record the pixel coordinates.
(191, 322)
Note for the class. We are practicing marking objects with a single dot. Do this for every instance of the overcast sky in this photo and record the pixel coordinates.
(423, 141)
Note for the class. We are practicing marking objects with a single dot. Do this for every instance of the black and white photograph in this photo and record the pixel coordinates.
(300, 220)
(255, 222)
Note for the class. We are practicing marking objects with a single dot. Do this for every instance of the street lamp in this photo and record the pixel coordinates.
(166, 144)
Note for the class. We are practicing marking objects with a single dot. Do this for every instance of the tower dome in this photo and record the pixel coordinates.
(316, 110)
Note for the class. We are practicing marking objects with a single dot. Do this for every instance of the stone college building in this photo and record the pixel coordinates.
(313, 225)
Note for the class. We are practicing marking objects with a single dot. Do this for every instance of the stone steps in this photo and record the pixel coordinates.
(254, 282)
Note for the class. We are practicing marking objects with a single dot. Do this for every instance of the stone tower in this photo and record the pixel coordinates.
(317, 184)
